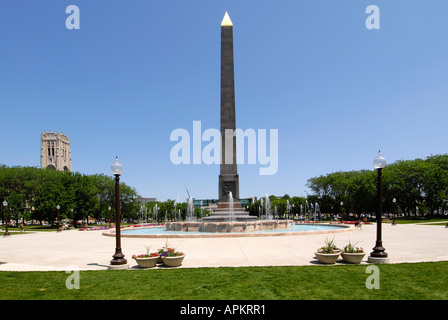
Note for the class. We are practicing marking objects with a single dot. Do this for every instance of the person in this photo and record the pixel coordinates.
(358, 224)
(21, 228)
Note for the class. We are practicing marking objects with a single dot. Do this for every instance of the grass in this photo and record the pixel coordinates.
(30, 228)
(420, 220)
(417, 281)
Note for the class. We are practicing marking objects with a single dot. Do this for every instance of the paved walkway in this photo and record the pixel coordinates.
(90, 250)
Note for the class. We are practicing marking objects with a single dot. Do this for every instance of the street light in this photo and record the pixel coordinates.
(379, 251)
(118, 257)
(59, 220)
(5, 204)
(342, 210)
(394, 223)
(110, 218)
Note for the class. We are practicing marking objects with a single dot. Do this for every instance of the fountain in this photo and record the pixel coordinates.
(317, 211)
(155, 212)
(229, 217)
(268, 214)
(190, 210)
(232, 212)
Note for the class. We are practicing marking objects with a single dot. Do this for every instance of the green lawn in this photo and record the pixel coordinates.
(29, 229)
(419, 281)
(416, 220)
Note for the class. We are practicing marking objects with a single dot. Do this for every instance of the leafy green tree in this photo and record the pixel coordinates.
(413, 183)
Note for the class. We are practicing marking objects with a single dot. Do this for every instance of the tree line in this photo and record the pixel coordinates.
(33, 194)
(418, 186)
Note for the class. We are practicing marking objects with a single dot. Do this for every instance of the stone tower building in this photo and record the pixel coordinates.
(55, 151)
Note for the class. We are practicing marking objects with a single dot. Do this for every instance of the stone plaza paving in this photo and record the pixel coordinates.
(90, 250)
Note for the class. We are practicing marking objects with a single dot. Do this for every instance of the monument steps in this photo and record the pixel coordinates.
(223, 213)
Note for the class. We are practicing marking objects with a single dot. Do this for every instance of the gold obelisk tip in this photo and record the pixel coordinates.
(226, 22)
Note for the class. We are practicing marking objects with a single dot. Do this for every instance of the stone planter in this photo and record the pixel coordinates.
(149, 262)
(327, 258)
(353, 257)
(173, 261)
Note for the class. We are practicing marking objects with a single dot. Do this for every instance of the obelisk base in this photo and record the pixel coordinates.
(229, 183)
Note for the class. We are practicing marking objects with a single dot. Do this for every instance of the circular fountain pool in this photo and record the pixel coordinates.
(161, 232)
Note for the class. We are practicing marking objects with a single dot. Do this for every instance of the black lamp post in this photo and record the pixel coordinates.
(110, 218)
(342, 210)
(379, 251)
(118, 257)
(5, 204)
(394, 223)
(59, 220)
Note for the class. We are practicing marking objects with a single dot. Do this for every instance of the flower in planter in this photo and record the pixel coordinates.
(147, 254)
(169, 252)
(329, 247)
(350, 248)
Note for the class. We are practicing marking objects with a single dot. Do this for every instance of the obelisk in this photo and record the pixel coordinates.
(228, 178)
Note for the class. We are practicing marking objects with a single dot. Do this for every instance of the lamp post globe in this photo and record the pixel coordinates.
(118, 257)
(116, 167)
(5, 204)
(379, 251)
(379, 162)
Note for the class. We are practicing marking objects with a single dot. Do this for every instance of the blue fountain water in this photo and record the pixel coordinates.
(294, 228)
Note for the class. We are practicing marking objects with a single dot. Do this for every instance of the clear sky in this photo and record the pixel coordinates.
(136, 70)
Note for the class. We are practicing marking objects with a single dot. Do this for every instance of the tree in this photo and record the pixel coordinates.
(44, 189)
(422, 183)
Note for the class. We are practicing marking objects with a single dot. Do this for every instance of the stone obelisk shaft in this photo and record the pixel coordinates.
(228, 178)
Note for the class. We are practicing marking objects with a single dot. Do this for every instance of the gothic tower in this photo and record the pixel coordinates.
(55, 151)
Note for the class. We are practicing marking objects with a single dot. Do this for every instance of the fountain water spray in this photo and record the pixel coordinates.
(268, 208)
(156, 213)
(232, 212)
(190, 209)
(317, 210)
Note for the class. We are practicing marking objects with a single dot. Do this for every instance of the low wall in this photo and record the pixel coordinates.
(229, 226)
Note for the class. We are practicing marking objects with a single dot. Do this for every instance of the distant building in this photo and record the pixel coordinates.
(201, 203)
(55, 151)
(144, 201)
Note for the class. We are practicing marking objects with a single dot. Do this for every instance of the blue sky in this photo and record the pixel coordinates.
(336, 91)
